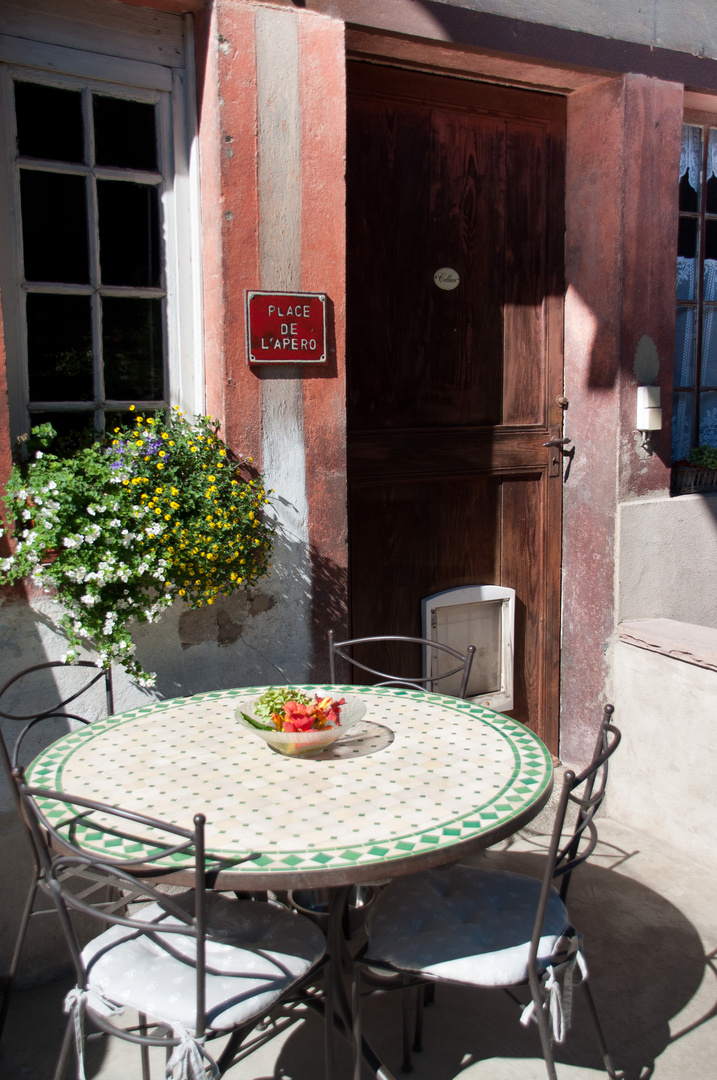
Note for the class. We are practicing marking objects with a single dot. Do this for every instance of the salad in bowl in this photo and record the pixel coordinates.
(293, 722)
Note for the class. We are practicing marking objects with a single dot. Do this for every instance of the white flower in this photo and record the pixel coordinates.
(90, 511)
(88, 600)
(38, 454)
(26, 515)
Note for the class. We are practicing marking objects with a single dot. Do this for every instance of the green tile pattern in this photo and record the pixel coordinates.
(420, 772)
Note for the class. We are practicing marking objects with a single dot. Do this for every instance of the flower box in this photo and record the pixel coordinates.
(692, 479)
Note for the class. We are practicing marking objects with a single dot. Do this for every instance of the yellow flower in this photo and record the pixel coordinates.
(160, 465)
(222, 453)
(165, 435)
(162, 453)
(210, 478)
(131, 408)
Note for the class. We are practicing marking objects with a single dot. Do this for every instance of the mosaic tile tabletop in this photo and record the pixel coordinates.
(420, 774)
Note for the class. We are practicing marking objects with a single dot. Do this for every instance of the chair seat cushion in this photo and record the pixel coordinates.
(466, 925)
(256, 952)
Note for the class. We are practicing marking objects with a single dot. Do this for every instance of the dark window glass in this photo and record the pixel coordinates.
(133, 344)
(74, 429)
(49, 122)
(687, 238)
(688, 196)
(125, 133)
(687, 253)
(711, 185)
(129, 233)
(59, 347)
(54, 227)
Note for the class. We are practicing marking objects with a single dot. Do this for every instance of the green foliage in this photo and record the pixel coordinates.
(153, 512)
(704, 455)
(274, 699)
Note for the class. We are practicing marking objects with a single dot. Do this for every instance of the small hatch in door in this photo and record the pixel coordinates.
(480, 615)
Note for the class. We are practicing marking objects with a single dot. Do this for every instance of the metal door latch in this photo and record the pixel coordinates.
(558, 449)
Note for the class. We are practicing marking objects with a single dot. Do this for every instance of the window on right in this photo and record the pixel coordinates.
(694, 407)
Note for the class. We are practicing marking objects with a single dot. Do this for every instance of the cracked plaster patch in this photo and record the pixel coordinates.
(223, 622)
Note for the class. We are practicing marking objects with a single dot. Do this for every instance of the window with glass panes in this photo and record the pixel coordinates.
(694, 408)
(89, 181)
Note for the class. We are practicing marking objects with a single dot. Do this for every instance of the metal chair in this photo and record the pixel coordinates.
(341, 649)
(194, 965)
(11, 752)
(492, 928)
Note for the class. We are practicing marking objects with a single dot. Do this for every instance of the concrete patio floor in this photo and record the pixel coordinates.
(649, 920)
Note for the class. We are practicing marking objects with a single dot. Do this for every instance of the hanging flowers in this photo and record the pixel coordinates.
(119, 529)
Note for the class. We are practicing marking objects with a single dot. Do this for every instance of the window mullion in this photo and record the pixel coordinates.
(94, 242)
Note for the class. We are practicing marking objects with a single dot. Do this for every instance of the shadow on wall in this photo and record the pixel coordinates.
(257, 637)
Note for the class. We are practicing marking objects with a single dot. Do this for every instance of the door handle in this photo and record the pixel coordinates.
(557, 442)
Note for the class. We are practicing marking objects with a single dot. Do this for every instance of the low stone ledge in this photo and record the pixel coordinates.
(680, 640)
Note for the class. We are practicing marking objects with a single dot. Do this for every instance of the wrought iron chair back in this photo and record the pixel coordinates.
(344, 650)
(11, 755)
(176, 926)
(482, 899)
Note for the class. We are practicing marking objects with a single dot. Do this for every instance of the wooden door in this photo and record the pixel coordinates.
(453, 393)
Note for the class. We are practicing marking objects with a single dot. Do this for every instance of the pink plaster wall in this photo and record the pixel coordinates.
(621, 224)
(653, 131)
(230, 216)
(323, 262)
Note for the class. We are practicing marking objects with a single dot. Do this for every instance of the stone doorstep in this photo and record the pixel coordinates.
(679, 640)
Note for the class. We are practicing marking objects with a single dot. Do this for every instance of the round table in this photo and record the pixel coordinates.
(422, 780)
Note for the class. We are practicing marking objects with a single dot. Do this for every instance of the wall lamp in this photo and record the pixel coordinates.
(649, 414)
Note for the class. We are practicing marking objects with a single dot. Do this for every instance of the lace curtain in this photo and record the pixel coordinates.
(685, 344)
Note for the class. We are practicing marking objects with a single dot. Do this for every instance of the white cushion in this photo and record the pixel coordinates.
(256, 953)
(466, 925)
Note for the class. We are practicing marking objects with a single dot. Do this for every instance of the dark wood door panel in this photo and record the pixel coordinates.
(434, 453)
(524, 568)
(452, 394)
(411, 539)
(395, 84)
(527, 284)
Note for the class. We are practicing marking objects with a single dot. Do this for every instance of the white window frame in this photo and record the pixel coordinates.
(172, 89)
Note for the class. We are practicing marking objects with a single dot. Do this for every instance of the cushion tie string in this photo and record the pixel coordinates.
(557, 992)
(75, 1004)
(187, 1061)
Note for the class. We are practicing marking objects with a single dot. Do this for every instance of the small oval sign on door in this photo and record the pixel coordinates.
(446, 278)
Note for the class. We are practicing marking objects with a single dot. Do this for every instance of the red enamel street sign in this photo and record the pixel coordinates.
(286, 328)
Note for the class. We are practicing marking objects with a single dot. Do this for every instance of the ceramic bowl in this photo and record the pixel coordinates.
(304, 743)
